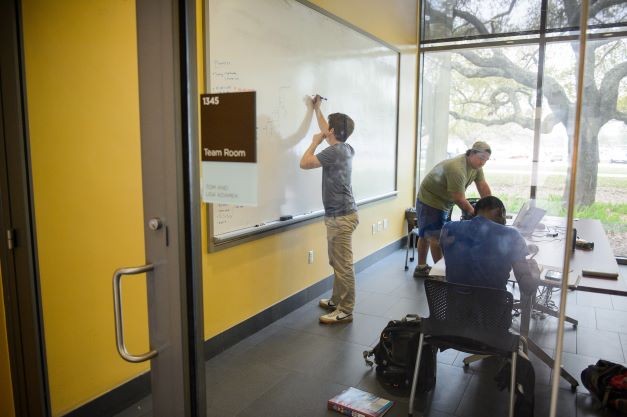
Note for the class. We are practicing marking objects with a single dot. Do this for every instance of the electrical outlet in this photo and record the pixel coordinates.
(374, 228)
(386, 223)
(310, 257)
(380, 226)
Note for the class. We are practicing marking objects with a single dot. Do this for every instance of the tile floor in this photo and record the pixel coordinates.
(293, 366)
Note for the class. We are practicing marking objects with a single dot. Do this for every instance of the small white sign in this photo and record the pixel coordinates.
(229, 183)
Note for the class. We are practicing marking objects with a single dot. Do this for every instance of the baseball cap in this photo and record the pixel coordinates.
(481, 146)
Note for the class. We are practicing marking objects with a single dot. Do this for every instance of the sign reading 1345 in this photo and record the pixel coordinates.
(211, 101)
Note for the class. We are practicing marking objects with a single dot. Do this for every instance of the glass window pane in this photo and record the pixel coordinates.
(602, 165)
(489, 95)
(565, 13)
(459, 18)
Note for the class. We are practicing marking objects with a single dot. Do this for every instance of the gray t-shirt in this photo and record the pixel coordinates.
(337, 192)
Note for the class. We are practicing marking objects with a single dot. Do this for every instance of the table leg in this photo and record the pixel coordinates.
(526, 302)
(544, 357)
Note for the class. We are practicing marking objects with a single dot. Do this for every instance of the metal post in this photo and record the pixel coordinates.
(571, 203)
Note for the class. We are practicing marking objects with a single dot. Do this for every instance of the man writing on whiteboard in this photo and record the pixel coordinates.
(340, 210)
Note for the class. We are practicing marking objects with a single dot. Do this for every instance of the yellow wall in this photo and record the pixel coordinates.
(82, 92)
(6, 388)
(81, 74)
(242, 281)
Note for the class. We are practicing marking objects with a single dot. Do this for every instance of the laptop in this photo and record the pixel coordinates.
(528, 218)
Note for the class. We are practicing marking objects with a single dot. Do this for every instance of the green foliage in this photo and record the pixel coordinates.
(613, 215)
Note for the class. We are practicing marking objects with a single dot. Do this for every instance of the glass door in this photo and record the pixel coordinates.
(110, 132)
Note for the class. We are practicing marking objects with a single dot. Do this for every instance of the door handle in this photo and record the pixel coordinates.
(117, 308)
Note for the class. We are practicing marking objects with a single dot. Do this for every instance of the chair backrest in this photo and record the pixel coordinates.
(411, 217)
(478, 313)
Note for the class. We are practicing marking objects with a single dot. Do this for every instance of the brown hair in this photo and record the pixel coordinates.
(342, 126)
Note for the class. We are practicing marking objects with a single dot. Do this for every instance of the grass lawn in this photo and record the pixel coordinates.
(610, 206)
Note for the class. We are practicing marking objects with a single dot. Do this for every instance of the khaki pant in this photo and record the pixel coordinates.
(340, 246)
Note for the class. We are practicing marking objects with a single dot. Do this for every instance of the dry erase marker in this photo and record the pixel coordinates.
(321, 98)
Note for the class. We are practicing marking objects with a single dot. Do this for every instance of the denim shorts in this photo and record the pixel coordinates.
(430, 220)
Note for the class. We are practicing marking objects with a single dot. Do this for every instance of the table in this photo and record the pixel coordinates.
(551, 256)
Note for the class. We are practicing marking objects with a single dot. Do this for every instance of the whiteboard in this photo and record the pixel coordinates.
(286, 51)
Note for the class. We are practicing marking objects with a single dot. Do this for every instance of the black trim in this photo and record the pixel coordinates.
(191, 203)
(522, 33)
(131, 392)
(522, 41)
(539, 98)
(116, 400)
(22, 294)
(248, 234)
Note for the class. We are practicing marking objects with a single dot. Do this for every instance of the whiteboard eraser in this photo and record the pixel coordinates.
(283, 218)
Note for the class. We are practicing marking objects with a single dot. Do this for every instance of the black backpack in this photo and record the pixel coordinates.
(395, 357)
(607, 382)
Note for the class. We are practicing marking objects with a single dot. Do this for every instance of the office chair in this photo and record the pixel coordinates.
(412, 234)
(469, 319)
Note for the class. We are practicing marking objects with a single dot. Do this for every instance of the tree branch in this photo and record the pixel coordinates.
(620, 116)
(500, 66)
(549, 122)
(608, 92)
(575, 9)
(525, 122)
(472, 19)
(511, 6)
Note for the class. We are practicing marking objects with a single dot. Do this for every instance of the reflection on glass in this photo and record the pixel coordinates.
(602, 164)
(489, 95)
(446, 19)
(565, 14)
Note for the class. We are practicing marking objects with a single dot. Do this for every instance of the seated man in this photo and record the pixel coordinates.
(482, 251)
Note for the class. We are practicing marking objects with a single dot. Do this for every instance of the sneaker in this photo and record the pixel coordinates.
(327, 304)
(336, 316)
(422, 271)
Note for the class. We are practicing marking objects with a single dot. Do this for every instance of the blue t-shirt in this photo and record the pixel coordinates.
(481, 252)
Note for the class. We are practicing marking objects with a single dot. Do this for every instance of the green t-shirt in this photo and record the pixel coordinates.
(449, 176)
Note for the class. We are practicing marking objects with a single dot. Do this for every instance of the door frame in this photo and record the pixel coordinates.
(166, 45)
(20, 275)
(166, 36)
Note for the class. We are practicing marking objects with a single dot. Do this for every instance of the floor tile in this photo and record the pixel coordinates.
(235, 386)
(404, 306)
(592, 299)
(293, 366)
(365, 329)
(611, 320)
(574, 364)
(585, 315)
(619, 302)
(295, 395)
(374, 304)
(599, 344)
(566, 402)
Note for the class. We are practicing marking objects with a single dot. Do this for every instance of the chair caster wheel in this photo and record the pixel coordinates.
(406, 268)
(575, 326)
(573, 388)
(466, 365)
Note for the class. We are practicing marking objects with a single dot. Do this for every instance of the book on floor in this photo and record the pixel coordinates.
(357, 403)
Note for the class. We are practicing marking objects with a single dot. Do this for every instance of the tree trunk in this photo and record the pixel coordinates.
(587, 163)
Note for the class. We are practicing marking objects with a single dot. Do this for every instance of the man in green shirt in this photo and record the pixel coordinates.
(444, 186)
